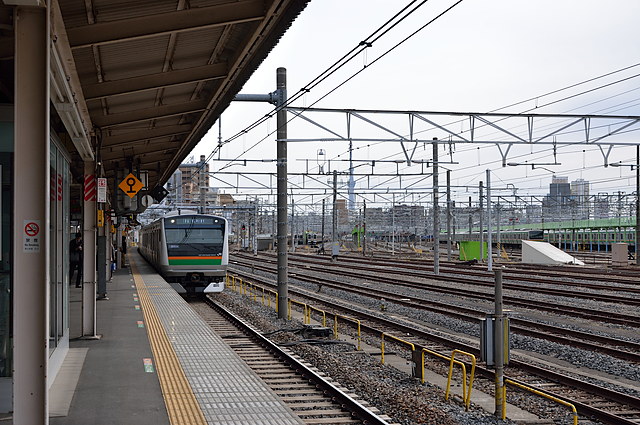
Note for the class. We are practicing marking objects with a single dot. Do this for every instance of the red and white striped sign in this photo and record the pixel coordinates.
(89, 187)
(59, 187)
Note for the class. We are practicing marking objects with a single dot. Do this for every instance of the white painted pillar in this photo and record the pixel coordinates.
(31, 217)
(89, 259)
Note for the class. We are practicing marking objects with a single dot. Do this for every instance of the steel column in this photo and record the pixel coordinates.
(448, 215)
(436, 212)
(31, 292)
(498, 344)
(637, 203)
(89, 262)
(489, 229)
(281, 118)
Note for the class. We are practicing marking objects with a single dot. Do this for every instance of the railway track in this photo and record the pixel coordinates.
(591, 400)
(629, 277)
(410, 282)
(309, 395)
(626, 350)
(409, 269)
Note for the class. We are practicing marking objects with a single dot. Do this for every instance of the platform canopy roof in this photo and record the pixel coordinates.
(148, 78)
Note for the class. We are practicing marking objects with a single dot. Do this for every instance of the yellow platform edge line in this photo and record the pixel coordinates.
(180, 401)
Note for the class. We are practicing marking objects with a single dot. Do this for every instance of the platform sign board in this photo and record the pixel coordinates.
(102, 190)
(130, 185)
(31, 236)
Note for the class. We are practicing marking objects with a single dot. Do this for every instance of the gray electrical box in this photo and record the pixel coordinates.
(335, 249)
(487, 345)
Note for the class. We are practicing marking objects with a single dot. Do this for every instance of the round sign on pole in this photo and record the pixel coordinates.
(147, 200)
(31, 229)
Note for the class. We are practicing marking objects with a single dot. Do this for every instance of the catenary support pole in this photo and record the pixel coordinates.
(281, 118)
(481, 221)
(393, 225)
(637, 203)
(436, 213)
(293, 224)
(364, 228)
(255, 228)
(489, 235)
(31, 217)
(448, 215)
(498, 347)
(470, 219)
(335, 244)
(322, 229)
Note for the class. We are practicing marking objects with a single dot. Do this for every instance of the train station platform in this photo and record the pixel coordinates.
(156, 363)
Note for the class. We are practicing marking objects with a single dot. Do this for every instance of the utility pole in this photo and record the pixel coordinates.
(293, 225)
(281, 122)
(470, 219)
(364, 228)
(201, 179)
(448, 215)
(322, 236)
(481, 211)
(453, 219)
(489, 235)
(637, 202)
(393, 225)
(498, 345)
(335, 244)
(279, 99)
(255, 227)
(498, 240)
(436, 212)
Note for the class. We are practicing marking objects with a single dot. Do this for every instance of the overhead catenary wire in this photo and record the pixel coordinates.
(382, 30)
(555, 91)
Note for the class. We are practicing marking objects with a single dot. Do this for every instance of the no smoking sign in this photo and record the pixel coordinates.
(31, 236)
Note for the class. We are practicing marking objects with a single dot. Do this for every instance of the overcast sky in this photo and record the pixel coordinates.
(480, 56)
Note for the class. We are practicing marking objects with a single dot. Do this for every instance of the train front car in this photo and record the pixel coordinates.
(197, 252)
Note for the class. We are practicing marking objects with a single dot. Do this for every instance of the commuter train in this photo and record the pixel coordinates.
(507, 237)
(570, 239)
(191, 251)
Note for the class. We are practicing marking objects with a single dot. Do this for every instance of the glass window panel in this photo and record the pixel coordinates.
(52, 246)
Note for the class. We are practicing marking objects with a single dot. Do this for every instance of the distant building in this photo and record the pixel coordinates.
(559, 187)
(580, 189)
(225, 199)
(580, 193)
(185, 183)
(194, 176)
(554, 205)
(341, 209)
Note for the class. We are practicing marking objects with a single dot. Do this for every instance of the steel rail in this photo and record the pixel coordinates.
(356, 408)
(587, 313)
(520, 326)
(583, 408)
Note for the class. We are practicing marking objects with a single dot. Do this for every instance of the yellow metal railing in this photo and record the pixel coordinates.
(466, 394)
(301, 304)
(348, 319)
(242, 287)
(311, 309)
(402, 341)
(536, 392)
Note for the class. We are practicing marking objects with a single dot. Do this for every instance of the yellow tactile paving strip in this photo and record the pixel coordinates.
(181, 403)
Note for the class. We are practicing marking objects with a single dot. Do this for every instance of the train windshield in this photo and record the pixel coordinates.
(194, 236)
